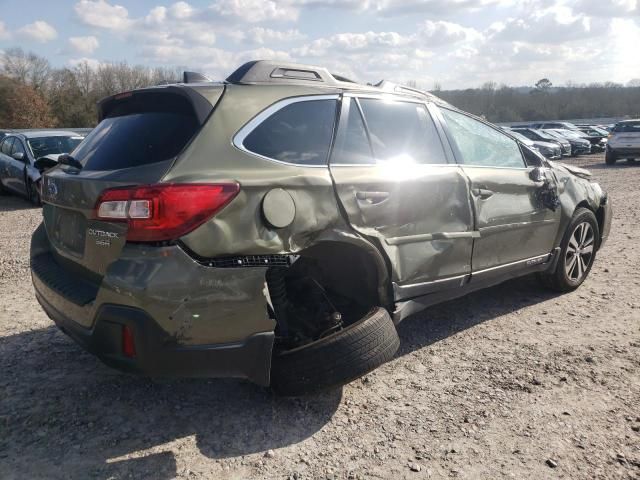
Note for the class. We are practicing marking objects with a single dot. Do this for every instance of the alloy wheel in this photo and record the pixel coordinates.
(579, 252)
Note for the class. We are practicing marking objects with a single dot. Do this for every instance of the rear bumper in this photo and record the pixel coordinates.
(158, 354)
(622, 151)
(187, 319)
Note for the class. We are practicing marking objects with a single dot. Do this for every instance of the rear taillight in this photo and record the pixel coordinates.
(164, 211)
(128, 342)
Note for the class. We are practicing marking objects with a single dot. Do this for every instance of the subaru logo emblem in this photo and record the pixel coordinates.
(52, 188)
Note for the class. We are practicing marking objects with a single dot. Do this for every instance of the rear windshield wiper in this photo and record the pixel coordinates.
(66, 159)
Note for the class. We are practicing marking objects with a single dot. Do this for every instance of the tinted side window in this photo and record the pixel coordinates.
(402, 131)
(352, 145)
(298, 133)
(479, 144)
(6, 146)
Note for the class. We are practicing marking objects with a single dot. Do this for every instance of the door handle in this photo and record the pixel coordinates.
(372, 197)
(482, 193)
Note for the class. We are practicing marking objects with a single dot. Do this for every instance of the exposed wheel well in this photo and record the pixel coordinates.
(330, 283)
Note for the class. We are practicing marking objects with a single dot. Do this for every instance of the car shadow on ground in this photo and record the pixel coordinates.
(10, 203)
(64, 414)
(447, 319)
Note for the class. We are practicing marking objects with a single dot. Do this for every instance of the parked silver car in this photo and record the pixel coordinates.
(18, 155)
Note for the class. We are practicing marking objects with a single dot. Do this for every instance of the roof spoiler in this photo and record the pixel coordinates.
(267, 71)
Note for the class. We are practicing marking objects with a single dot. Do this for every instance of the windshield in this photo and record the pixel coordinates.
(41, 146)
(555, 135)
(565, 133)
(545, 135)
(627, 127)
(519, 136)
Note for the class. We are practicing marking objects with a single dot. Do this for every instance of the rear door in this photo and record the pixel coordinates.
(137, 141)
(399, 187)
(5, 162)
(515, 228)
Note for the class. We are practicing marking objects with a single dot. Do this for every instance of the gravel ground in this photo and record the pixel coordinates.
(510, 382)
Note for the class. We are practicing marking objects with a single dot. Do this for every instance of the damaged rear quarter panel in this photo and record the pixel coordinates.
(240, 227)
(192, 303)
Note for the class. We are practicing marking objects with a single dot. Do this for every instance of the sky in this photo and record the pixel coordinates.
(451, 43)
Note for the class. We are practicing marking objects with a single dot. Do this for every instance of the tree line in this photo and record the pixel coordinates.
(543, 101)
(33, 94)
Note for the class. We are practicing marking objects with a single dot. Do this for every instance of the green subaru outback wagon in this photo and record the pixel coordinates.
(278, 225)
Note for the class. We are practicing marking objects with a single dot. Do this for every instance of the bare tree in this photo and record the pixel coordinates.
(27, 68)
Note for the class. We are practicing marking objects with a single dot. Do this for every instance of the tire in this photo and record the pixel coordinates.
(338, 358)
(575, 262)
(610, 158)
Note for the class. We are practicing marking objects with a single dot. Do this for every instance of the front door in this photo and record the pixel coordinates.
(397, 186)
(18, 167)
(516, 228)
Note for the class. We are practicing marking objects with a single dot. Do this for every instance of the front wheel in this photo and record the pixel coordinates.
(34, 194)
(577, 253)
(609, 158)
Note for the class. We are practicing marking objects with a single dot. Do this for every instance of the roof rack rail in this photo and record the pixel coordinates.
(268, 71)
(388, 86)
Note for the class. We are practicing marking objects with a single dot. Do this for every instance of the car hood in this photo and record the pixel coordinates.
(577, 171)
(542, 144)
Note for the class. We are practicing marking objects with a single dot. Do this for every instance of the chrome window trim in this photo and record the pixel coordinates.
(251, 125)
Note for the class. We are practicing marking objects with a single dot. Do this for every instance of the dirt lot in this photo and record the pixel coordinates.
(511, 382)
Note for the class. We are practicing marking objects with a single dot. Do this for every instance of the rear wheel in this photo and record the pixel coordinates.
(578, 251)
(330, 329)
(338, 358)
(609, 158)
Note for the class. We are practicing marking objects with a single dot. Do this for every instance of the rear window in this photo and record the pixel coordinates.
(627, 127)
(298, 133)
(138, 133)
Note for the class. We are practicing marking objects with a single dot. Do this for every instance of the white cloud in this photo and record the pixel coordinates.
(263, 35)
(85, 45)
(4, 33)
(256, 10)
(99, 13)
(39, 31)
(181, 10)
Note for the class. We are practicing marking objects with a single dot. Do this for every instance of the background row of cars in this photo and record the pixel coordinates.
(619, 141)
(568, 138)
(24, 154)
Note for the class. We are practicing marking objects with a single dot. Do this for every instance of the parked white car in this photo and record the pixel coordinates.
(624, 141)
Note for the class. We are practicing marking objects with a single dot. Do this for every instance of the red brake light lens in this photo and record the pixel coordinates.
(128, 343)
(164, 211)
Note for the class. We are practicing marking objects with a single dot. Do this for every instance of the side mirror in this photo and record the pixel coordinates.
(44, 163)
(538, 175)
(18, 156)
